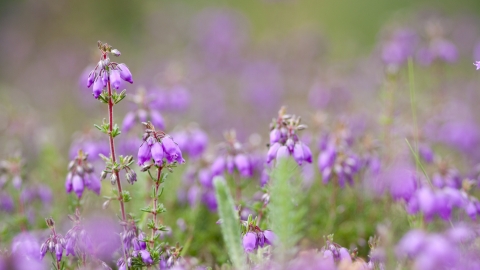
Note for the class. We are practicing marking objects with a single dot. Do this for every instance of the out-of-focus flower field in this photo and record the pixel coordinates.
(253, 134)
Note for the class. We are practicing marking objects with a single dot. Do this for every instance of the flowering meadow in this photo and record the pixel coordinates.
(194, 140)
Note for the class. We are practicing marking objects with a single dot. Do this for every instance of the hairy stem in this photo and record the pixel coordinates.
(154, 209)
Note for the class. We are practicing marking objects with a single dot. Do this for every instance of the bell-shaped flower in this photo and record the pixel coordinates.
(157, 153)
(250, 242)
(78, 185)
(144, 153)
(125, 73)
(115, 79)
(97, 88)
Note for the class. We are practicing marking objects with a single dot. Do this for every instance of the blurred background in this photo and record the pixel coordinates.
(231, 65)
(277, 48)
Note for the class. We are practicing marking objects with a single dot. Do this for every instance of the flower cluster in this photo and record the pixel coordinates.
(55, 243)
(198, 186)
(231, 156)
(107, 72)
(336, 160)
(134, 244)
(254, 237)
(452, 249)
(437, 46)
(142, 113)
(399, 47)
(192, 140)
(80, 176)
(284, 141)
(334, 251)
(441, 202)
(158, 146)
(78, 242)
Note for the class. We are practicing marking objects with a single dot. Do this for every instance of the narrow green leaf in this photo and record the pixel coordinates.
(230, 224)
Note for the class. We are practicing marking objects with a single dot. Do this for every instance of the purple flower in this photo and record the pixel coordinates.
(146, 258)
(58, 251)
(427, 202)
(205, 178)
(272, 152)
(68, 183)
(128, 121)
(298, 153)
(275, 135)
(345, 255)
(172, 150)
(250, 242)
(411, 243)
(270, 237)
(218, 166)
(243, 165)
(125, 73)
(157, 119)
(115, 79)
(91, 78)
(144, 153)
(78, 185)
(282, 152)
(97, 87)
(157, 153)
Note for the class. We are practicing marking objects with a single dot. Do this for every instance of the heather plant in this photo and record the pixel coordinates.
(385, 177)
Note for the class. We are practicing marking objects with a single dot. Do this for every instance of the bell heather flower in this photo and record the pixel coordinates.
(232, 157)
(249, 242)
(81, 176)
(192, 140)
(107, 70)
(143, 112)
(284, 141)
(54, 244)
(159, 146)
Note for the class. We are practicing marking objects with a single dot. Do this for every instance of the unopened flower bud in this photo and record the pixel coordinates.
(113, 179)
(105, 204)
(70, 165)
(100, 64)
(50, 222)
(103, 175)
(116, 52)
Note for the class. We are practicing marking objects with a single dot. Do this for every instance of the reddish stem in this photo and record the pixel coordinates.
(154, 211)
(112, 146)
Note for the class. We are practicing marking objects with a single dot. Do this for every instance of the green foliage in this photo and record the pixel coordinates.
(286, 212)
(230, 224)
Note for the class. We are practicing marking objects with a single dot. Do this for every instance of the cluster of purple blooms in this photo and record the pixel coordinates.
(108, 72)
(143, 112)
(204, 192)
(192, 140)
(337, 161)
(134, 242)
(232, 156)
(54, 244)
(452, 249)
(81, 175)
(255, 238)
(405, 43)
(284, 141)
(158, 146)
